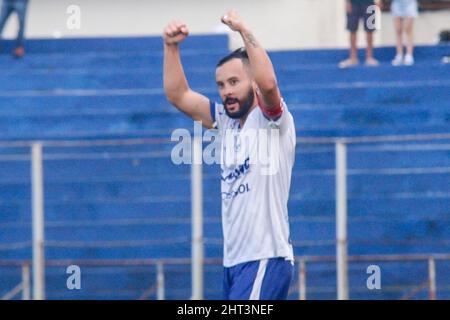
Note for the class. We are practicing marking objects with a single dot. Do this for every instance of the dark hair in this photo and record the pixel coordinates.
(240, 53)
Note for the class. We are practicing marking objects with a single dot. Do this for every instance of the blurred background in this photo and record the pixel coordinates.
(86, 176)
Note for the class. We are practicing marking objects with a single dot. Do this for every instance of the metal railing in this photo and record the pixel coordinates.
(24, 285)
(37, 157)
(299, 286)
(429, 259)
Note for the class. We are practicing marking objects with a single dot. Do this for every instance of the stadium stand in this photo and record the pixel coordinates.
(132, 202)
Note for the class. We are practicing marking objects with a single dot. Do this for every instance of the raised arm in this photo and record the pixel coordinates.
(260, 64)
(176, 86)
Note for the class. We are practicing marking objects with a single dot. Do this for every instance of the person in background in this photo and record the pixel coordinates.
(404, 12)
(357, 10)
(20, 7)
(258, 254)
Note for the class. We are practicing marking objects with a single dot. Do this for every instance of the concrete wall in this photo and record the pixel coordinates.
(280, 24)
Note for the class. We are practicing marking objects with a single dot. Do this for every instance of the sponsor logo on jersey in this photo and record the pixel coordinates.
(243, 188)
(238, 172)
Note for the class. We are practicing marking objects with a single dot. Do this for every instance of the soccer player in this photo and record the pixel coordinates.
(258, 255)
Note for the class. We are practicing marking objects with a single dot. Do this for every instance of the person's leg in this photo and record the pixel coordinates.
(6, 11)
(353, 46)
(398, 24)
(240, 280)
(277, 279)
(227, 281)
(352, 27)
(267, 279)
(370, 60)
(370, 24)
(353, 59)
(21, 9)
(409, 23)
(369, 51)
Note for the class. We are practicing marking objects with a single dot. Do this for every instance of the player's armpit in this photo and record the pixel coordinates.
(196, 106)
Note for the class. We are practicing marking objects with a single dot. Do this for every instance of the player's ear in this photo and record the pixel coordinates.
(255, 86)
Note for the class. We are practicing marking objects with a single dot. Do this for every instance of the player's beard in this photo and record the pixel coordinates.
(244, 106)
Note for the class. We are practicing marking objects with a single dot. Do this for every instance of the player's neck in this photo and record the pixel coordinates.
(244, 118)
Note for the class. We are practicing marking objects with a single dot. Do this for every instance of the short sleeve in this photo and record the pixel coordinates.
(284, 121)
(218, 115)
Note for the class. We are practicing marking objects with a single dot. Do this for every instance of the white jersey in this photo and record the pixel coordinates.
(254, 193)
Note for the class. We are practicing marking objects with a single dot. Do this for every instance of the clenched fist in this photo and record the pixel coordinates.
(234, 21)
(175, 32)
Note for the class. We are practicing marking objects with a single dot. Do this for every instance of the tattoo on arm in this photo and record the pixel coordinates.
(251, 40)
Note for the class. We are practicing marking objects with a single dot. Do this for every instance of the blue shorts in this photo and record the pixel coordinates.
(267, 279)
(360, 11)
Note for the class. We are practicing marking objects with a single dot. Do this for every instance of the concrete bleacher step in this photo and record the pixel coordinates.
(142, 125)
(132, 80)
(86, 52)
(400, 207)
(95, 168)
(433, 205)
(339, 121)
(376, 184)
(365, 92)
(421, 206)
(120, 44)
(127, 131)
(389, 156)
(136, 62)
(378, 240)
(142, 278)
(302, 112)
(200, 67)
(332, 56)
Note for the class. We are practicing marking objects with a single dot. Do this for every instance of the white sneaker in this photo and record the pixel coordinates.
(348, 63)
(398, 60)
(409, 60)
(372, 62)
